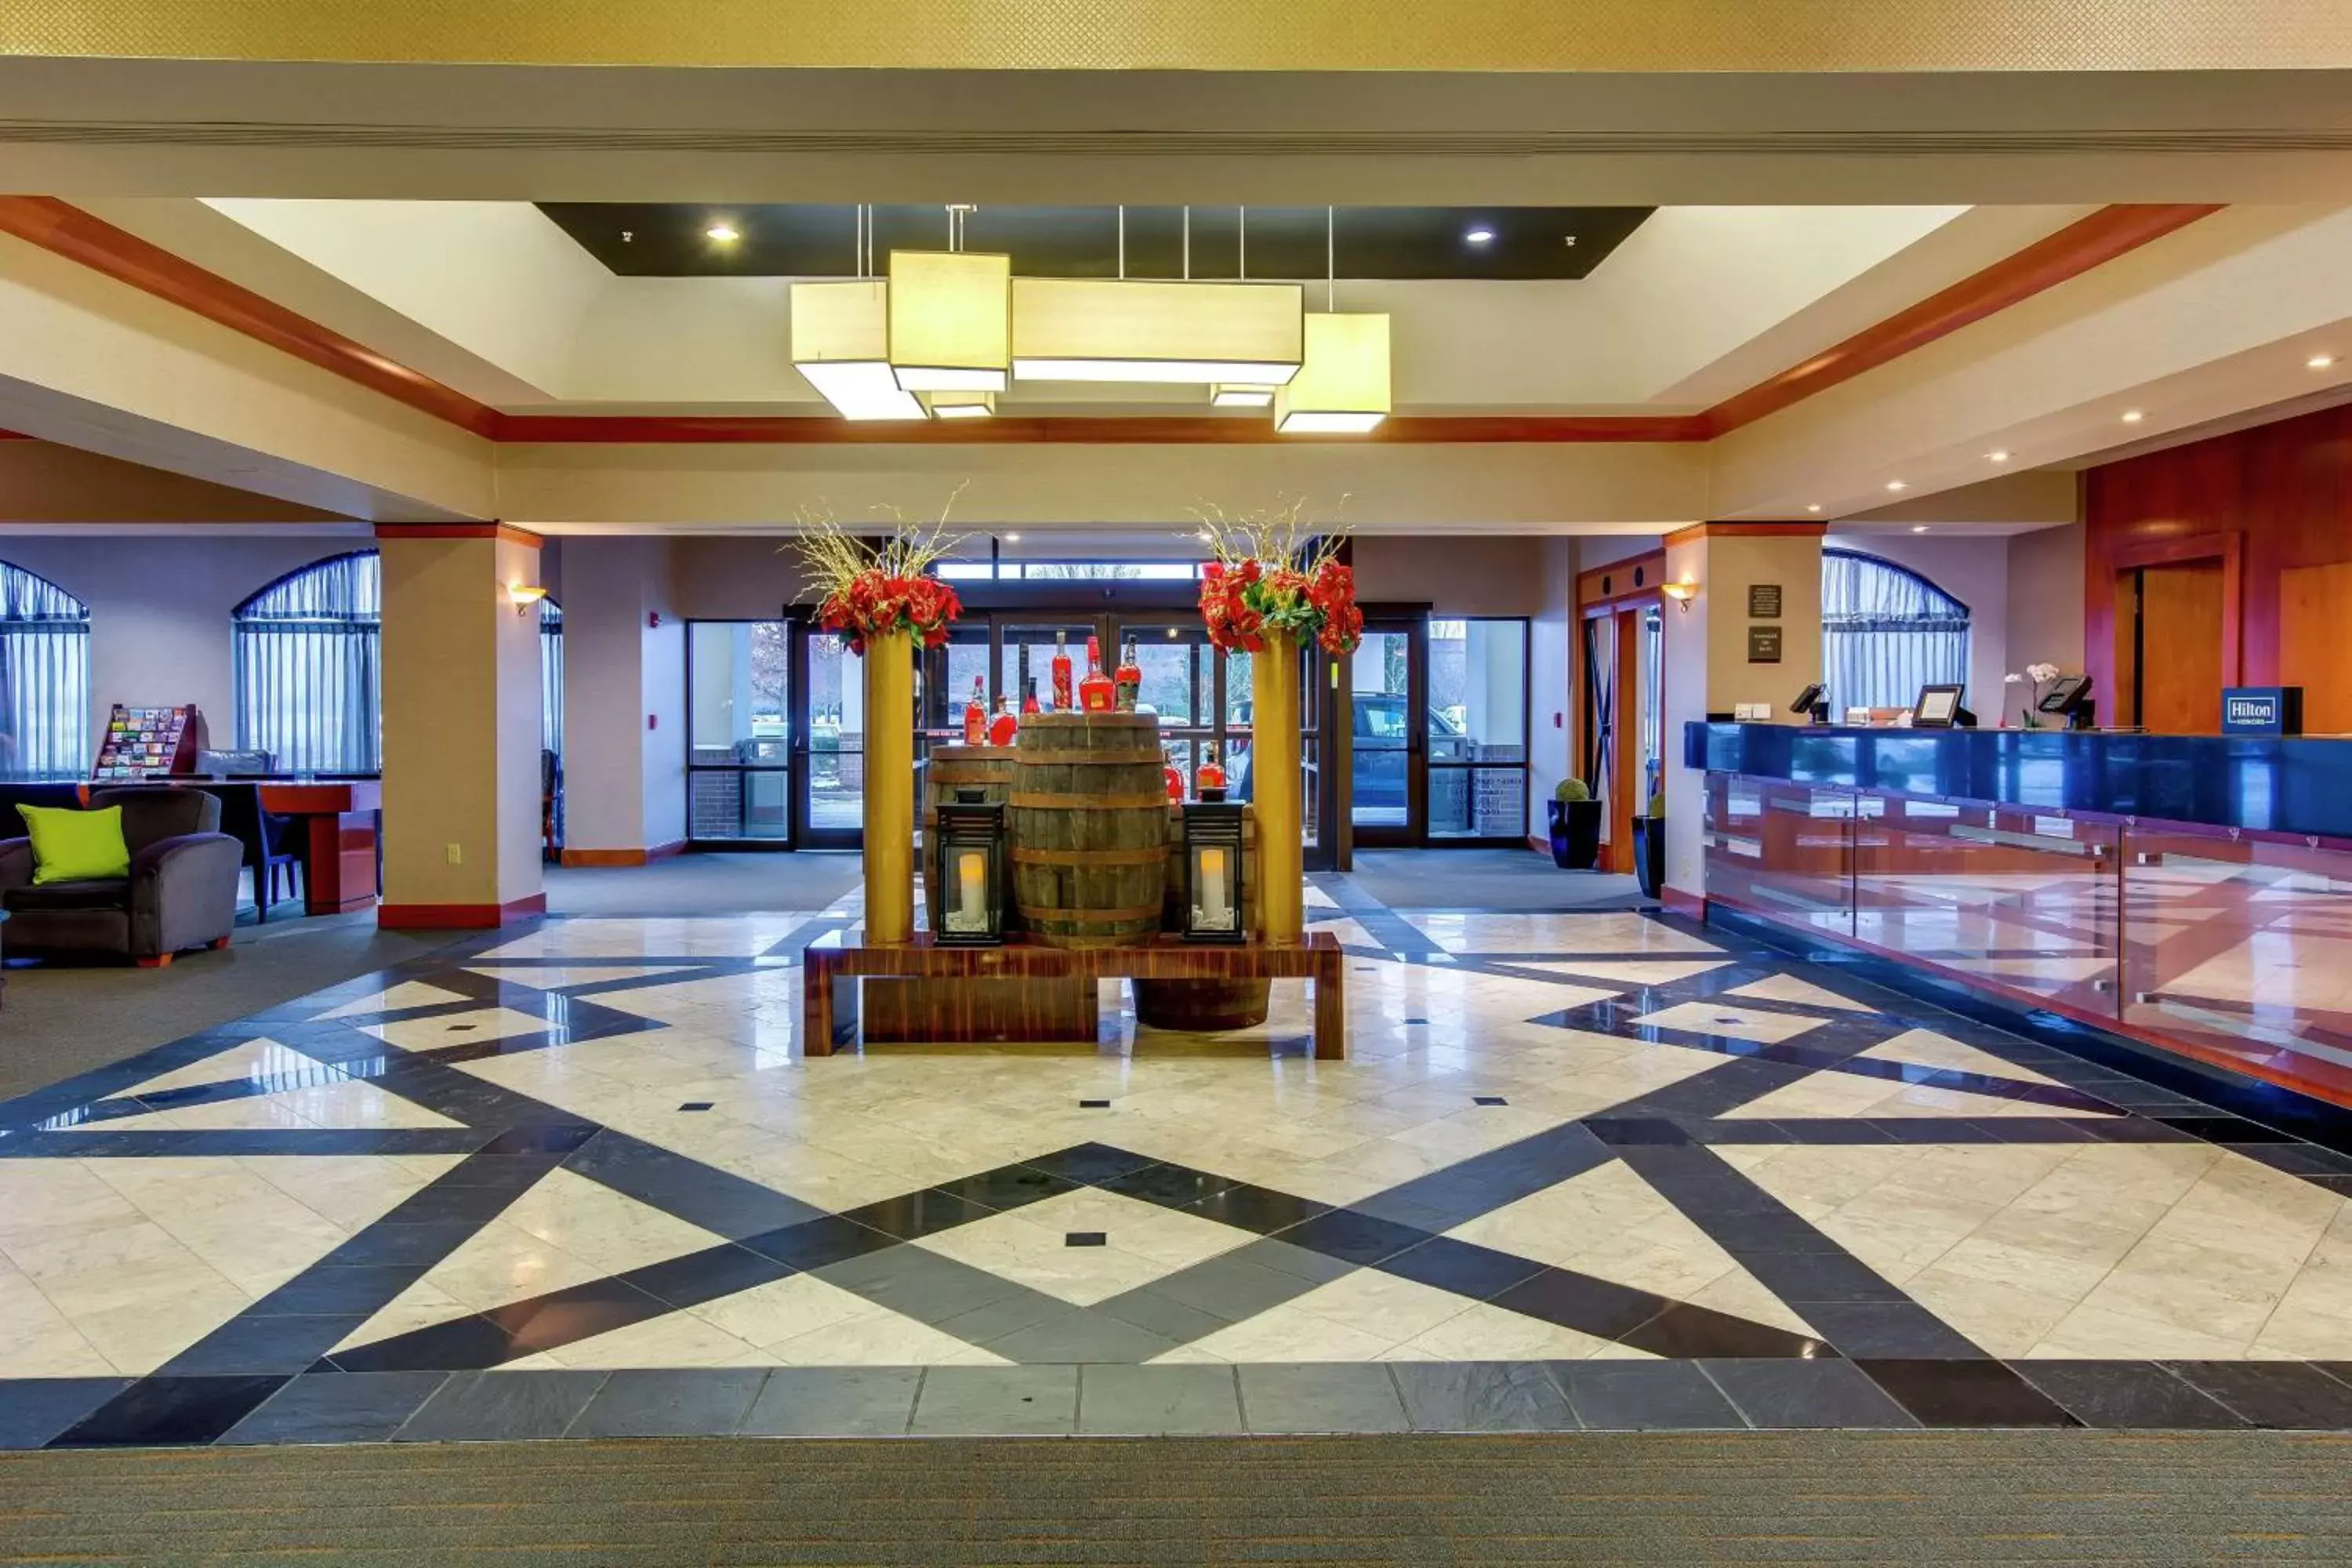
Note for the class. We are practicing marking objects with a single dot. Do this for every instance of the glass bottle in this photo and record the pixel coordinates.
(975, 713)
(1130, 678)
(1029, 696)
(1001, 732)
(1210, 776)
(1097, 692)
(1062, 699)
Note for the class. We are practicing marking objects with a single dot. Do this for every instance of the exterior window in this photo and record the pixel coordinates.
(1886, 631)
(43, 679)
(310, 669)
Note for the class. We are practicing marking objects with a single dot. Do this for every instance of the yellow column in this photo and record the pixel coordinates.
(1275, 789)
(889, 788)
(461, 727)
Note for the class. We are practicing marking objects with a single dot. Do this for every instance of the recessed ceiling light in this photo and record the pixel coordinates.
(2132, 416)
(1813, 506)
(1480, 236)
(724, 233)
(1897, 485)
(1997, 457)
(1012, 539)
(1919, 527)
(2320, 362)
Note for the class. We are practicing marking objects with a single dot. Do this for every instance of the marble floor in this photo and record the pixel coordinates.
(1606, 1170)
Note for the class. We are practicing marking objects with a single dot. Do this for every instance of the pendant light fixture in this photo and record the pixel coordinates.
(841, 339)
(1156, 329)
(958, 404)
(950, 316)
(1342, 387)
(1249, 393)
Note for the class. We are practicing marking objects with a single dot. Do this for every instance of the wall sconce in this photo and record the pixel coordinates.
(523, 595)
(1682, 594)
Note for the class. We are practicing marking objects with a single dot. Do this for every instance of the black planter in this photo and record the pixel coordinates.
(1650, 854)
(1575, 834)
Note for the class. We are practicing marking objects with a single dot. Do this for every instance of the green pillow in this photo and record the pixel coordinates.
(73, 846)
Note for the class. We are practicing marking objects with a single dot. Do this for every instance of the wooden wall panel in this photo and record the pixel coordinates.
(2281, 492)
(2180, 647)
(2315, 643)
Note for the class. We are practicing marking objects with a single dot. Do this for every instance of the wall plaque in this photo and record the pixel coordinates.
(1763, 645)
(1763, 600)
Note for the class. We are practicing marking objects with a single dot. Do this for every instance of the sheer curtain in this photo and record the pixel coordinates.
(1886, 631)
(550, 677)
(309, 668)
(43, 678)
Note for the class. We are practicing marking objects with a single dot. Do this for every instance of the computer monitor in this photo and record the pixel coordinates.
(2066, 693)
(1939, 708)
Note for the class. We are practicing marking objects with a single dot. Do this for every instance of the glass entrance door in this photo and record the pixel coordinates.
(1388, 778)
(741, 738)
(1180, 674)
(830, 745)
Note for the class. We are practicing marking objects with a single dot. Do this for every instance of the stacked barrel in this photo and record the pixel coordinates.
(1088, 827)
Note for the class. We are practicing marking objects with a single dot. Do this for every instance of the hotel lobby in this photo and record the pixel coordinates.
(1276, 787)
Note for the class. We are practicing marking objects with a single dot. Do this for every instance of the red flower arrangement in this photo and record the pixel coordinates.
(1252, 588)
(876, 603)
(871, 588)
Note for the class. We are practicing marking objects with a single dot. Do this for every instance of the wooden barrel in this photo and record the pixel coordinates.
(1088, 829)
(1202, 1006)
(988, 769)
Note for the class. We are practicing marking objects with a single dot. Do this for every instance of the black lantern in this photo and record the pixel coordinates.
(1212, 864)
(968, 869)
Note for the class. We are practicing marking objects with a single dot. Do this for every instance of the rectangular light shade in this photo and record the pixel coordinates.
(1151, 330)
(1342, 388)
(958, 404)
(840, 335)
(1240, 394)
(950, 320)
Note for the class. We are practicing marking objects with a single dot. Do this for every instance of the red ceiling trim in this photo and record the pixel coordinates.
(59, 226)
(2073, 250)
(1205, 429)
(506, 531)
(122, 256)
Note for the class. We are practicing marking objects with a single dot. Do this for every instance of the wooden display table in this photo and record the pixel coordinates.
(337, 820)
(834, 965)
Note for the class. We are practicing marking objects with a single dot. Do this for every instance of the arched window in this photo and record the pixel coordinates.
(43, 678)
(309, 669)
(1886, 631)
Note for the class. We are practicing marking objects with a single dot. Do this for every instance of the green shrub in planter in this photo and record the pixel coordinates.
(1575, 827)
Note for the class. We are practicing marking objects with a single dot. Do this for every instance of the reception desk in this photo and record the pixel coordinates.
(2191, 892)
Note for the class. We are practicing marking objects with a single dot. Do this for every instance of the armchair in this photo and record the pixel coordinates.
(180, 892)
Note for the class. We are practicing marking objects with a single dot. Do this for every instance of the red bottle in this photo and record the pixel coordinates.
(1175, 783)
(1062, 702)
(1211, 778)
(1097, 694)
(1001, 732)
(1128, 680)
(1029, 696)
(975, 714)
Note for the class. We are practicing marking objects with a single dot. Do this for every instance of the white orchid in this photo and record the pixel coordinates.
(2038, 673)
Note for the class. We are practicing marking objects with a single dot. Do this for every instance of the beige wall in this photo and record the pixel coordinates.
(461, 753)
(159, 608)
(2045, 599)
(1475, 574)
(1706, 660)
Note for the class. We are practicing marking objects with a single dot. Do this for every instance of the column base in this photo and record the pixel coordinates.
(457, 917)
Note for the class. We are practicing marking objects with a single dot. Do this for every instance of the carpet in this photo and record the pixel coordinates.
(1829, 1497)
(705, 884)
(63, 1019)
(1505, 880)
